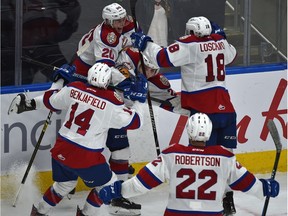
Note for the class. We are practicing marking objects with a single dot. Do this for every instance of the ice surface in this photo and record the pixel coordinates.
(153, 203)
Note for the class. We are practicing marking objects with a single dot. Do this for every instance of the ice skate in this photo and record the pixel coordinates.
(34, 212)
(21, 104)
(71, 193)
(131, 171)
(79, 212)
(124, 207)
(228, 204)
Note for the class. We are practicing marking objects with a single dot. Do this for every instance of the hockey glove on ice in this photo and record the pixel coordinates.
(216, 29)
(270, 187)
(110, 192)
(139, 40)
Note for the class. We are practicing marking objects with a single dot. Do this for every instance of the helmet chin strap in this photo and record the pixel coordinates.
(109, 22)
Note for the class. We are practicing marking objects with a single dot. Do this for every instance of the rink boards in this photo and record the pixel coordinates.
(258, 94)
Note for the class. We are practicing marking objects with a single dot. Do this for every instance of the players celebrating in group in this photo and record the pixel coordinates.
(102, 90)
(202, 55)
(197, 174)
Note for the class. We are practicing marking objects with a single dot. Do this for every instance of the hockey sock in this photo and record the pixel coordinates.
(51, 197)
(94, 199)
(120, 168)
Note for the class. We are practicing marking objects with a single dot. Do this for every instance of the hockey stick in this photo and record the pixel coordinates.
(132, 6)
(276, 138)
(47, 122)
(42, 64)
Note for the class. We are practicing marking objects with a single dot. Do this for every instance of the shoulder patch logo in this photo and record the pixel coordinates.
(111, 37)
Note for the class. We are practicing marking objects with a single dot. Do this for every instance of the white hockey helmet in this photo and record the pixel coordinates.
(200, 26)
(199, 127)
(99, 75)
(113, 12)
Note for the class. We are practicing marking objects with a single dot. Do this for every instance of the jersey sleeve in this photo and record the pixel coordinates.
(159, 87)
(176, 106)
(130, 117)
(176, 54)
(55, 99)
(243, 180)
(150, 176)
(230, 53)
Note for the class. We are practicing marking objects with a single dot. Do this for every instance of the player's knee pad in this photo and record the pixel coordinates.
(63, 188)
(122, 154)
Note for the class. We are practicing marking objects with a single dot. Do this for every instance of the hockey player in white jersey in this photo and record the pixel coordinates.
(129, 64)
(202, 55)
(91, 110)
(197, 175)
(104, 42)
(101, 44)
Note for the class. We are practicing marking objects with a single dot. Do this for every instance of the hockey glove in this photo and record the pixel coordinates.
(139, 40)
(270, 187)
(110, 192)
(65, 72)
(138, 89)
(216, 29)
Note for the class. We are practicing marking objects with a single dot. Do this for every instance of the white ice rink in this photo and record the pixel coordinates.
(153, 203)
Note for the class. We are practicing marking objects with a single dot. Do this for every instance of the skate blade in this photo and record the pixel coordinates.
(113, 210)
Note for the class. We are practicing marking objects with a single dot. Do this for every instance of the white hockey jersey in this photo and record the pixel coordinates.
(159, 86)
(197, 179)
(202, 62)
(91, 112)
(102, 44)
